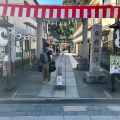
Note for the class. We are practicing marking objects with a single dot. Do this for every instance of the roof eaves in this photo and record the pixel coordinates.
(115, 25)
(5, 23)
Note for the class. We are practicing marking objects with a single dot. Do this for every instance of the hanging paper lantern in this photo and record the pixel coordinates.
(3, 36)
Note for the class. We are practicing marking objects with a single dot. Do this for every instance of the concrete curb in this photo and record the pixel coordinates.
(59, 100)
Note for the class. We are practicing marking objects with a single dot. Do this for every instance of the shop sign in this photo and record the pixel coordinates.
(114, 64)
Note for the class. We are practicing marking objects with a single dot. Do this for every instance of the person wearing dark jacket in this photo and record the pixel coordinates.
(45, 66)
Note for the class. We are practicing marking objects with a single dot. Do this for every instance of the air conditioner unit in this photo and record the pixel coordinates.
(3, 36)
(23, 37)
(18, 36)
(11, 30)
(27, 37)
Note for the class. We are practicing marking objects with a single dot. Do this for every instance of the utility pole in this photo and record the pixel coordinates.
(30, 50)
(8, 51)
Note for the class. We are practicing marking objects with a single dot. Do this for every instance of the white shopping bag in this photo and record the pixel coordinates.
(59, 80)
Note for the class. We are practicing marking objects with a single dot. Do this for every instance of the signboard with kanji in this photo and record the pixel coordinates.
(114, 64)
(95, 53)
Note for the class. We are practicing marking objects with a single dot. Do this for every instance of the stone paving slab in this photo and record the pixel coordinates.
(25, 118)
(69, 70)
(51, 118)
(70, 82)
(114, 108)
(103, 118)
(77, 118)
(74, 108)
(5, 118)
(7, 109)
(53, 79)
(58, 93)
(63, 74)
(71, 91)
(46, 91)
(118, 117)
(70, 74)
(28, 91)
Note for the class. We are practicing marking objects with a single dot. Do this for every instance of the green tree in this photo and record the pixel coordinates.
(53, 28)
(67, 29)
(64, 29)
(83, 1)
(74, 2)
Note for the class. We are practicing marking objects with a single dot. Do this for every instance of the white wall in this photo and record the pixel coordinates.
(2, 1)
(18, 22)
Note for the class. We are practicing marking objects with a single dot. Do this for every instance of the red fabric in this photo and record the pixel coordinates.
(48, 11)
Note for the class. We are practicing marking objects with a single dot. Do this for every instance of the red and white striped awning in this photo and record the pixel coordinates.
(39, 11)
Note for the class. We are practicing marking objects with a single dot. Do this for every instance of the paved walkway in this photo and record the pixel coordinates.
(69, 89)
(28, 83)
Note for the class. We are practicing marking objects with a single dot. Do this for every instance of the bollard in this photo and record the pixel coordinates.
(62, 53)
(112, 83)
(59, 76)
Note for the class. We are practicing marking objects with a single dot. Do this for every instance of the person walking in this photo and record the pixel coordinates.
(45, 66)
(57, 50)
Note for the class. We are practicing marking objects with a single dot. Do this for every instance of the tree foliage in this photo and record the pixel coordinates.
(53, 28)
(74, 2)
(65, 29)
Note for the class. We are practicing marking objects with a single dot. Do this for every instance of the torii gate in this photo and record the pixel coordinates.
(56, 12)
(63, 11)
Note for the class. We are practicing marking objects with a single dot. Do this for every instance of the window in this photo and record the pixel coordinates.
(104, 2)
(26, 45)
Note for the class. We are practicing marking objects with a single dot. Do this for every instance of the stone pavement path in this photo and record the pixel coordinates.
(28, 83)
(70, 88)
(59, 111)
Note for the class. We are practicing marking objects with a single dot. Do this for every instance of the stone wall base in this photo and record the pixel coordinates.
(83, 65)
(95, 78)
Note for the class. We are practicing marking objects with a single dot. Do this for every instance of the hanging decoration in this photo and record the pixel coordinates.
(65, 11)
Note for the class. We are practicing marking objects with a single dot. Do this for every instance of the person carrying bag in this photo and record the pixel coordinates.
(45, 59)
(52, 66)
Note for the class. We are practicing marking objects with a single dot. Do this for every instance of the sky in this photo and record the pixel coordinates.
(48, 2)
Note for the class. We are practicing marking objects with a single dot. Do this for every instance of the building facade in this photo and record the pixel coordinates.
(22, 47)
(107, 34)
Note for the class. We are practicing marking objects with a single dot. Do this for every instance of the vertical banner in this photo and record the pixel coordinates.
(19, 49)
